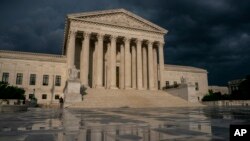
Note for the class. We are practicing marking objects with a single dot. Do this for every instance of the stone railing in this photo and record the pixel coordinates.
(11, 102)
(227, 103)
(12, 105)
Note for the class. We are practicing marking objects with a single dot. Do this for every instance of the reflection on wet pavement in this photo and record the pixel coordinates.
(123, 124)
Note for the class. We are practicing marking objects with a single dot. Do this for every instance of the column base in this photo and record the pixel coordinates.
(99, 87)
(139, 88)
(128, 88)
(134, 87)
(113, 87)
(152, 89)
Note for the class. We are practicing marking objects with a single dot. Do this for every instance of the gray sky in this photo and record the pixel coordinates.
(211, 34)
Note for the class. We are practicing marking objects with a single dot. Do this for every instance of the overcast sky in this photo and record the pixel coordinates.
(210, 34)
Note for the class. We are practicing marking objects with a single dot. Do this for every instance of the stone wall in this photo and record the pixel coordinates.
(221, 89)
(185, 91)
(10, 102)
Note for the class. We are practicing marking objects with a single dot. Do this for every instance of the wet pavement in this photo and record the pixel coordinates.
(122, 124)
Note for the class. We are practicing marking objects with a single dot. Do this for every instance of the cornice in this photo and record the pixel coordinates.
(168, 67)
(32, 56)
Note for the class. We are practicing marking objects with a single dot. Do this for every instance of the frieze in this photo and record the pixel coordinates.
(120, 19)
(116, 17)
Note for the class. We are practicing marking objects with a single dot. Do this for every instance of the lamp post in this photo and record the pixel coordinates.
(34, 90)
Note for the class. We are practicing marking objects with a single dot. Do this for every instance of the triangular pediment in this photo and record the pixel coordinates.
(118, 17)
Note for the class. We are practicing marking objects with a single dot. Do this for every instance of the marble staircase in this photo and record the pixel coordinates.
(102, 98)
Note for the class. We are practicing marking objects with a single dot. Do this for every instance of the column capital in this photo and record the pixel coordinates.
(150, 42)
(86, 34)
(127, 39)
(138, 40)
(72, 32)
(113, 37)
(100, 35)
(160, 44)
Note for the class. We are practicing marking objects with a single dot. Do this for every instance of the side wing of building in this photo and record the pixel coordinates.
(196, 76)
(43, 75)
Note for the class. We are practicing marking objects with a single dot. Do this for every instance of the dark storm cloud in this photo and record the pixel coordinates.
(211, 34)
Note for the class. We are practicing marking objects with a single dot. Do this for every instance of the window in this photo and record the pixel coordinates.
(58, 80)
(19, 78)
(31, 96)
(45, 80)
(167, 83)
(32, 79)
(44, 96)
(57, 96)
(5, 77)
(196, 86)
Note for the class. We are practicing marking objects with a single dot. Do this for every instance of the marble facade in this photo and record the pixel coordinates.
(116, 49)
(111, 49)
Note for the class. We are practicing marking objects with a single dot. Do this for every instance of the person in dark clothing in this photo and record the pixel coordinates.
(61, 102)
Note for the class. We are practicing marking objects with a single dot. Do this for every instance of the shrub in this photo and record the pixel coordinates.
(211, 96)
(83, 91)
(11, 92)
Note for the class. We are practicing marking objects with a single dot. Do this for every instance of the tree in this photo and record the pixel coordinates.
(211, 96)
(83, 91)
(244, 88)
(243, 91)
(11, 92)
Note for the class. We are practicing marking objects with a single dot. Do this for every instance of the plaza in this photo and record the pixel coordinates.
(122, 124)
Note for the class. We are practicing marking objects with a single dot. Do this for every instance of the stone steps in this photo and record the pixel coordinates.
(102, 98)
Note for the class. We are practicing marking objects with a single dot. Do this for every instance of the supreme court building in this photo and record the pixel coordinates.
(111, 49)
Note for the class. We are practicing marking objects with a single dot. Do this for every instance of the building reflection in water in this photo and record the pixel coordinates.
(69, 125)
(102, 125)
(76, 128)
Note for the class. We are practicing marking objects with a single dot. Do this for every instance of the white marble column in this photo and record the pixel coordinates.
(155, 64)
(84, 61)
(161, 64)
(145, 67)
(71, 49)
(94, 65)
(108, 66)
(113, 62)
(127, 63)
(82, 135)
(150, 66)
(139, 63)
(99, 64)
(122, 69)
(133, 67)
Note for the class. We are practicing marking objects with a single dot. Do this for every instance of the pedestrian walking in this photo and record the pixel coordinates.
(61, 102)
